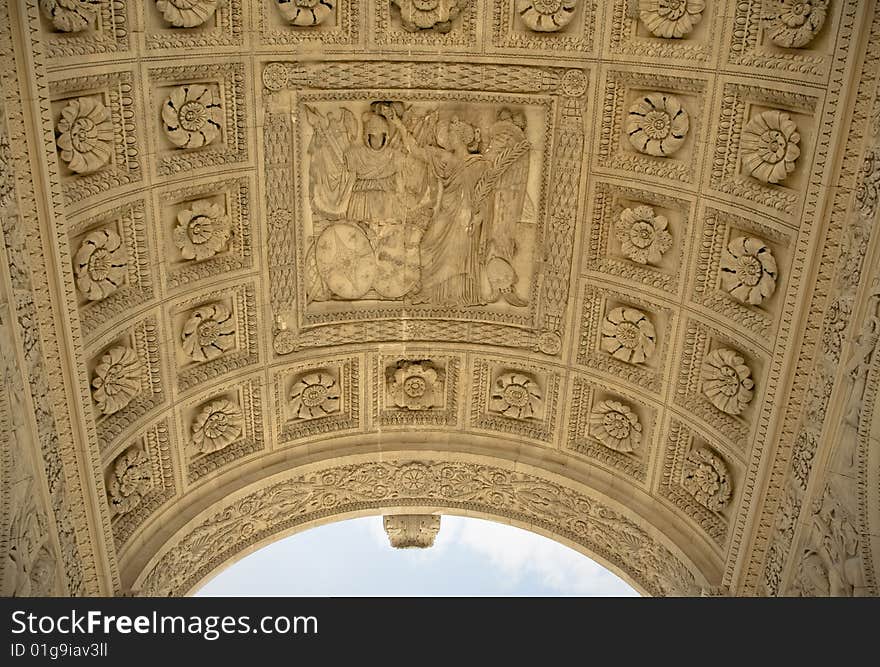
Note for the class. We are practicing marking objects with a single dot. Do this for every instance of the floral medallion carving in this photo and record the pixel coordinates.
(706, 479)
(305, 12)
(642, 235)
(616, 426)
(85, 135)
(546, 15)
(70, 15)
(209, 332)
(770, 146)
(192, 116)
(218, 424)
(100, 264)
(868, 188)
(628, 335)
(202, 230)
(130, 481)
(671, 18)
(657, 124)
(516, 395)
(314, 395)
(187, 13)
(117, 379)
(748, 270)
(727, 381)
(435, 15)
(794, 23)
(415, 385)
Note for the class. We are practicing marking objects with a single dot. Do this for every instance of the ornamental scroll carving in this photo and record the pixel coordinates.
(416, 203)
(559, 510)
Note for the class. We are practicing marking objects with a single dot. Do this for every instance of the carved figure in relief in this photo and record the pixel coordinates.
(419, 207)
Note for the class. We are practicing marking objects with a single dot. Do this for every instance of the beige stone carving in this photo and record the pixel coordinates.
(100, 264)
(657, 124)
(748, 270)
(671, 18)
(117, 379)
(795, 23)
(415, 385)
(412, 531)
(85, 135)
(727, 381)
(315, 395)
(516, 395)
(434, 15)
(71, 15)
(546, 15)
(192, 116)
(305, 12)
(187, 13)
(217, 425)
(706, 479)
(130, 480)
(628, 335)
(202, 230)
(209, 332)
(642, 235)
(616, 426)
(770, 146)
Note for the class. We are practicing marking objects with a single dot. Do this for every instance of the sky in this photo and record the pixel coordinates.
(469, 557)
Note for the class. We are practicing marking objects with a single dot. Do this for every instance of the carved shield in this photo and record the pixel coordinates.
(398, 266)
(345, 259)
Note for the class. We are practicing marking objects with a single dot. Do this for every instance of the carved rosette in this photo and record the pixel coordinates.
(748, 270)
(671, 19)
(412, 531)
(100, 264)
(657, 125)
(794, 23)
(415, 385)
(70, 15)
(192, 116)
(706, 479)
(187, 13)
(202, 230)
(218, 424)
(209, 332)
(436, 15)
(616, 426)
(642, 235)
(516, 395)
(117, 379)
(314, 395)
(85, 135)
(546, 15)
(727, 381)
(628, 335)
(129, 482)
(305, 12)
(770, 146)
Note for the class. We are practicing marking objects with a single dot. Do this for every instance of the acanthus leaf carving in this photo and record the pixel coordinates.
(643, 235)
(516, 395)
(616, 426)
(71, 15)
(770, 146)
(435, 15)
(628, 335)
(187, 13)
(202, 230)
(314, 395)
(217, 425)
(706, 479)
(130, 480)
(415, 385)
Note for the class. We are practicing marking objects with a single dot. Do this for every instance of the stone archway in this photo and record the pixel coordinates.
(482, 487)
